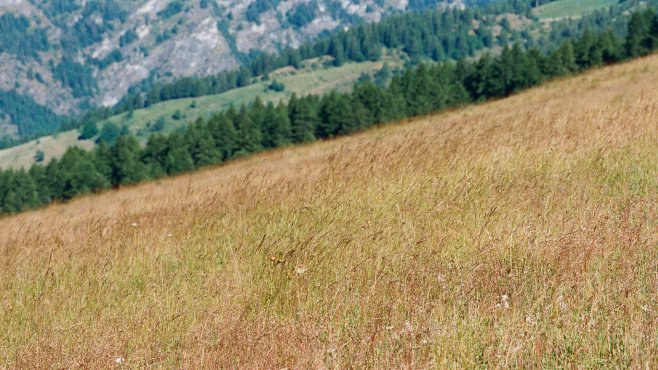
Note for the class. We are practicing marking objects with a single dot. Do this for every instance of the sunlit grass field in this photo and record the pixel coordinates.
(516, 233)
(571, 8)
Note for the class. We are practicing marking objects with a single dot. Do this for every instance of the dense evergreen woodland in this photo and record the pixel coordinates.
(257, 127)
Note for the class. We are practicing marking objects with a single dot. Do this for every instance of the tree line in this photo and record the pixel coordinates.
(258, 126)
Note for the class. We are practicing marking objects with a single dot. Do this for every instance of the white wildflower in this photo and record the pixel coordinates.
(134, 224)
(645, 308)
(300, 270)
(504, 302)
(561, 303)
(530, 320)
(119, 360)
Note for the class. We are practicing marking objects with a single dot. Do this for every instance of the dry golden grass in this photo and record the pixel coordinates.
(518, 233)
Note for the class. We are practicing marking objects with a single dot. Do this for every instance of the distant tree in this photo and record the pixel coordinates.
(89, 130)
(39, 156)
(178, 158)
(201, 145)
(638, 32)
(159, 125)
(18, 191)
(109, 133)
(383, 76)
(249, 135)
(276, 86)
(38, 173)
(276, 127)
(79, 174)
(154, 156)
(303, 120)
(126, 165)
(102, 159)
(336, 50)
(225, 135)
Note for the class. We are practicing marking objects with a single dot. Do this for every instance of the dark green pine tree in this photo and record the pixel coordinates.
(201, 145)
(638, 33)
(303, 119)
(223, 132)
(154, 156)
(79, 174)
(249, 135)
(337, 51)
(102, 158)
(561, 61)
(178, 158)
(18, 191)
(337, 116)
(524, 70)
(611, 48)
(276, 126)
(127, 167)
(653, 34)
(374, 100)
(42, 182)
(89, 130)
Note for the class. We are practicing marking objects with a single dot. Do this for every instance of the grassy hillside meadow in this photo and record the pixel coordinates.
(312, 78)
(516, 233)
(571, 8)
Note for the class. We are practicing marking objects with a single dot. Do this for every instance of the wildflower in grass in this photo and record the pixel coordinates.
(561, 303)
(504, 302)
(408, 328)
(134, 224)
(119, 360)
(300, 270)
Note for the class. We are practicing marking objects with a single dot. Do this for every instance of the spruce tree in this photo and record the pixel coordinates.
(638, 32)
(224, 134)
(178, 159)
(276, 127)
(154, 156)
(79, 174)
(249, 135)
(303, 120)
(127, 167)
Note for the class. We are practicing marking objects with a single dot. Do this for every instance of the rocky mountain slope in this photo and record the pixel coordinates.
(69, 55)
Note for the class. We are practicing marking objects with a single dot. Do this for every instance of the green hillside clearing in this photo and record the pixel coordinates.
(312, 78)
(571, 8)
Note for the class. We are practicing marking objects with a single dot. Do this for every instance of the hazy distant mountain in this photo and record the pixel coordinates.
(59, 57)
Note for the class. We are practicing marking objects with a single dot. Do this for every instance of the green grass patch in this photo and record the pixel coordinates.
(571, 8)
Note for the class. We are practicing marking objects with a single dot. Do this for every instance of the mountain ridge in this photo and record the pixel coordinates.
(81, 54)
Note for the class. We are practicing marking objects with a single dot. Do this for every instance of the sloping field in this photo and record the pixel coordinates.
(571, 8)
(518, 233)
